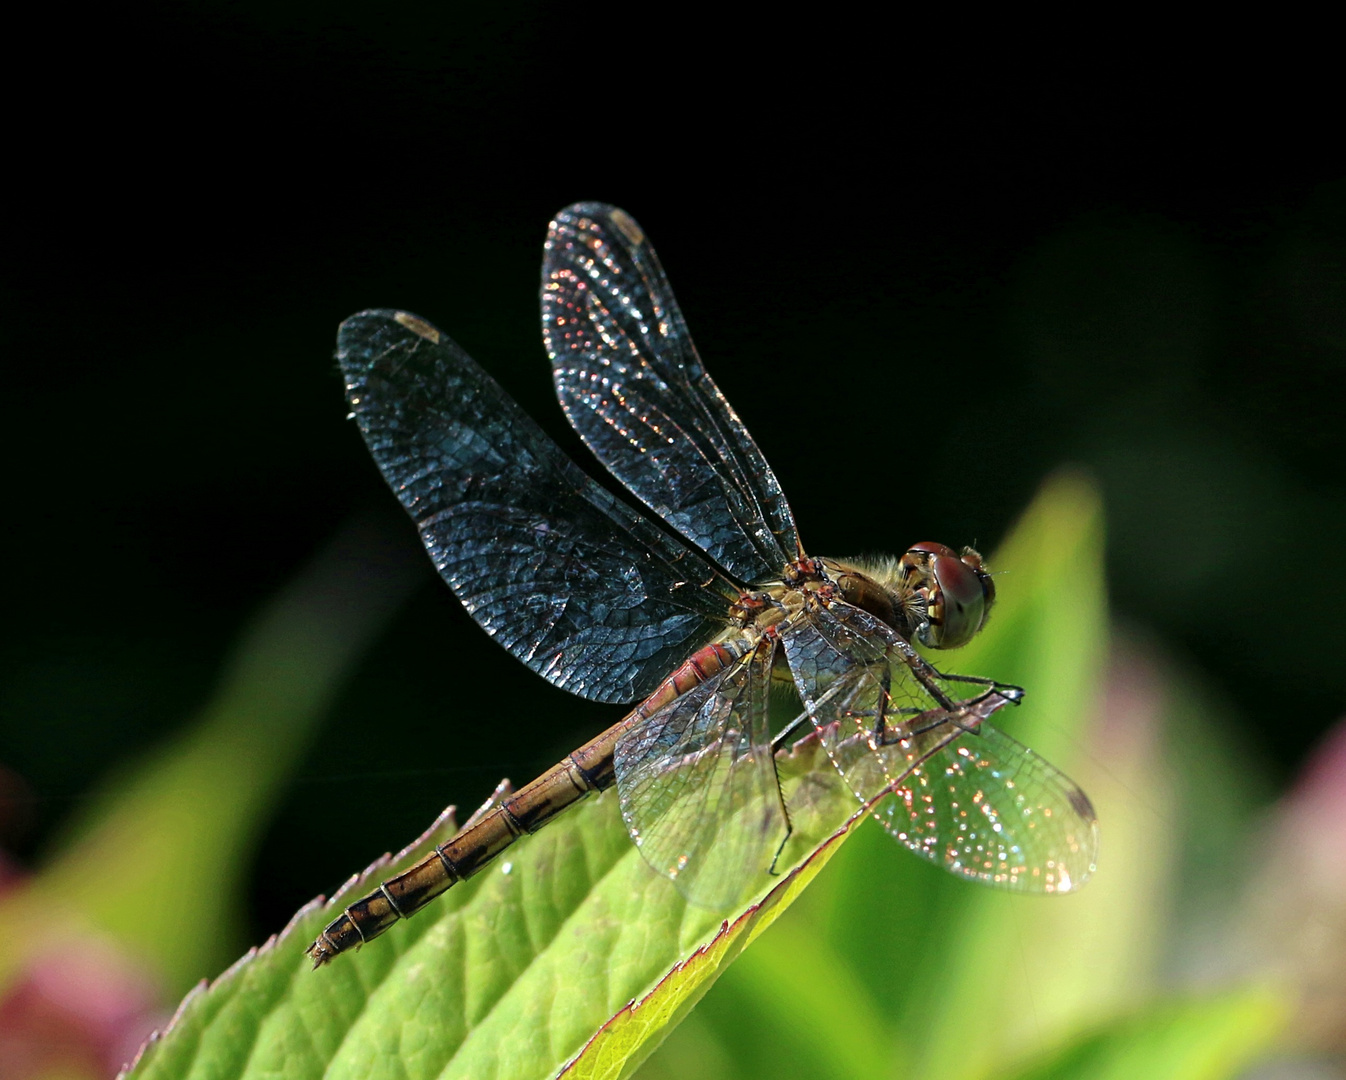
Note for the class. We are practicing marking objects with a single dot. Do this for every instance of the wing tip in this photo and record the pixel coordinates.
(418, 326)
(358, 330)
(620, 220)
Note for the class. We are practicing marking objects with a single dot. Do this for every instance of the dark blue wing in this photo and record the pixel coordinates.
(586, 591)
(634, 388)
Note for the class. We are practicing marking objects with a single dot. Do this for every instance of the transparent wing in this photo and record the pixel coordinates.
(961, 793)
(698, 788)
(986, 807)
(634, 388)
(586, 591)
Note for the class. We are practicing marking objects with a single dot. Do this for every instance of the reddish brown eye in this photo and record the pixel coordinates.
(955, 594)
(934, 548)
(958, 605)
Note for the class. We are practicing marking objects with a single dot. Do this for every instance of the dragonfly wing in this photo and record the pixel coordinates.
(852, 691)
(958, 792)
(986, 807)
(585, 590)
(698, 788)
(632, 385)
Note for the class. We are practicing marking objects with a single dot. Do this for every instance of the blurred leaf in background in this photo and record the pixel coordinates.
(144, 897)
(885, 967)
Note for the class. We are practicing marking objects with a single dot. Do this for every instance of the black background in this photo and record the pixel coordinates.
(926, 274)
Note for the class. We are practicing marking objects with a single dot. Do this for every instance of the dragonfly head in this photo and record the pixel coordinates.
(932, 594)
(956, 590)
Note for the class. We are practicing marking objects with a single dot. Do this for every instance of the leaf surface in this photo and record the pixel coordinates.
(568, 952)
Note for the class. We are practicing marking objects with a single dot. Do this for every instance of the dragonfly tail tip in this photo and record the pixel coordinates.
(320, 953)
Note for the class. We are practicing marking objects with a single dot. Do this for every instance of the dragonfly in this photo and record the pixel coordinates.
(691, 607)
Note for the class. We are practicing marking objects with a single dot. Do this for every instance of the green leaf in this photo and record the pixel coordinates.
(1210, 1039)
(568, 950)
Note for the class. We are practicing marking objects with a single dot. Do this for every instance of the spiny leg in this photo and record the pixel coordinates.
(930, 677)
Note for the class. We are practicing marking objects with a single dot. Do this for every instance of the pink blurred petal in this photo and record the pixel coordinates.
(1295, 926)
(81, 1007)
(1315, 812)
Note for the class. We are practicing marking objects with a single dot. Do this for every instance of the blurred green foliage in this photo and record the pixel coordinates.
(886, 966)
(157, 859)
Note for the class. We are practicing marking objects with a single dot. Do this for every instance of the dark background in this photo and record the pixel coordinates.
(925, 275)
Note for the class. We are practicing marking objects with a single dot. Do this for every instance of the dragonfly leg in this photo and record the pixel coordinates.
(924, 671)
(789, 828)
(923, 722)
(1010, 692)
(885, 700)
(931, 677)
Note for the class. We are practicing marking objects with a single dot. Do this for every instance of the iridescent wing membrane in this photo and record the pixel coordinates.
(632, 385)
(958, 792)
(586, 591)
(698, 785)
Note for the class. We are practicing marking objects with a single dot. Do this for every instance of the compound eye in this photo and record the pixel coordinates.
(932, 548)
(957, 607)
